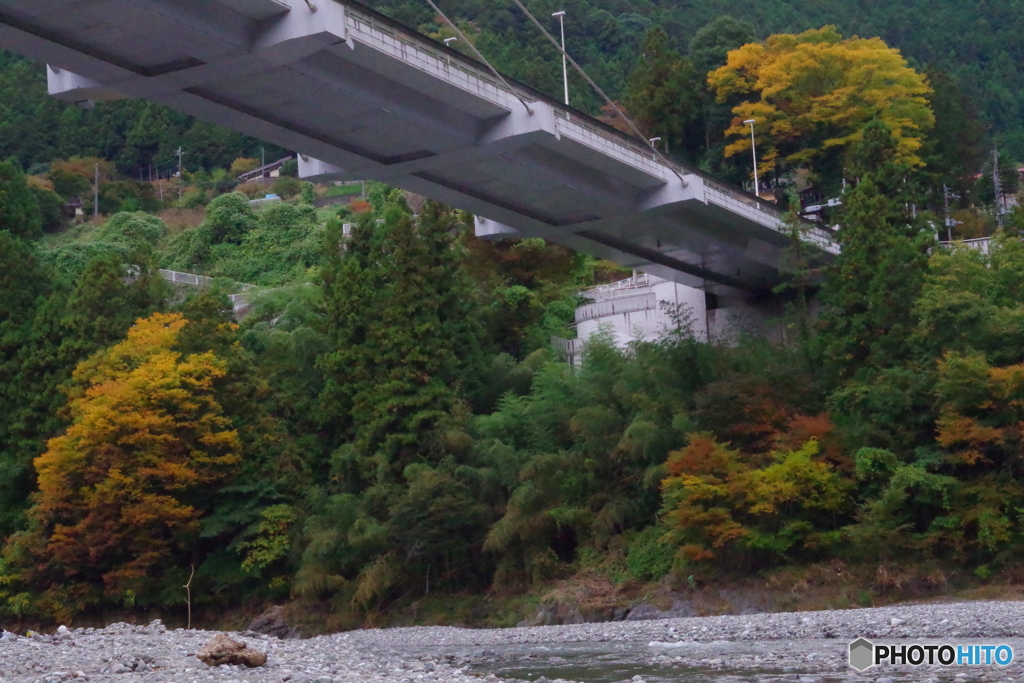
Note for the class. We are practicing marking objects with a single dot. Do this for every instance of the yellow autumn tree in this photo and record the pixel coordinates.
(812, 93)
(120, 492)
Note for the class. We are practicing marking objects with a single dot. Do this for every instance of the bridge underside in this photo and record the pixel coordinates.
(360, 97)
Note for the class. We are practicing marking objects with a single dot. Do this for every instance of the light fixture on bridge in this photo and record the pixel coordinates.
(753, 148)
(565, 70)
(448, 43)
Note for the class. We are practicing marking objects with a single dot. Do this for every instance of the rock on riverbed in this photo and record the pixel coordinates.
(790, 647)
(226, 650)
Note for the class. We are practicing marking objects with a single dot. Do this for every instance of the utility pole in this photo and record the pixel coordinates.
(949, 221)
(998, 187)
(96, 192)
(179, 154)
(263, 164)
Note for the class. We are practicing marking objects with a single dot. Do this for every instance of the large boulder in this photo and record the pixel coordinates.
(274, 623)
(224, 650)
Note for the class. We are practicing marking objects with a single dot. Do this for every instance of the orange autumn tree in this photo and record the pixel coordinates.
(811, 95)
(120, 492)
(725, 506)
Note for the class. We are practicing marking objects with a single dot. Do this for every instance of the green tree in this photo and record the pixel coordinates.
(710, 47)
(67, 184)
(870, 291)
(956, 147)
(19, 211)
(229, 218)
(395, 362)
(663, 96)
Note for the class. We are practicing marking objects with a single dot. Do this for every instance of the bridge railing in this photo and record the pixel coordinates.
(620, 288)
(626, 304)
(981, 244)
(390, 36)
(197, 280)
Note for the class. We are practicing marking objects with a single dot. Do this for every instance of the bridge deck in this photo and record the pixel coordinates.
(361, 97)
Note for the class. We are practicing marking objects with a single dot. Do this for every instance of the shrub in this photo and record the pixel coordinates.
(649, 556)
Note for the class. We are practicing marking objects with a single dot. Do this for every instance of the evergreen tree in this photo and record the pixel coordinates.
(25, 286)
(663, 96)
(19, 211)
(350, 279)
(711, 45)
(397, 305)
(870, 290)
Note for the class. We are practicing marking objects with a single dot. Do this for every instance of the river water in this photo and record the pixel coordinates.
(604, 662)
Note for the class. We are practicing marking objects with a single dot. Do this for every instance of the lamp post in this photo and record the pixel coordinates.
(753, 148)
(565, 71)
(448, 43)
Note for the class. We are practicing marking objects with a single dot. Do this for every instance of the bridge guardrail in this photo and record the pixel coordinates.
(981, 244)
(627, 304)
(620, 287)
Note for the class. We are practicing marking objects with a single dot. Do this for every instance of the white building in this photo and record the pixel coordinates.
(645, 307)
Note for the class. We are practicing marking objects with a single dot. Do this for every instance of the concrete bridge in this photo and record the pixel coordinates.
(361, 97)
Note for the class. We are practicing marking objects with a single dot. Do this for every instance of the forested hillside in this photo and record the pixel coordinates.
(139, 137)
(388, 434)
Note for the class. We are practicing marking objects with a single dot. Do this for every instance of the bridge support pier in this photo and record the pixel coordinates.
(646, 307)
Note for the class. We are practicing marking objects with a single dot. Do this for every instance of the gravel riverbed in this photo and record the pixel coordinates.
(803, 647)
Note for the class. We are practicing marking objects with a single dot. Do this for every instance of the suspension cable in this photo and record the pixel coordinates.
(480, 56)
(600, 92)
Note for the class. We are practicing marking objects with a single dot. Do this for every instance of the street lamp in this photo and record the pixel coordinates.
(753, 148)
(565, 71)
(653, 140)
(448, 43)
